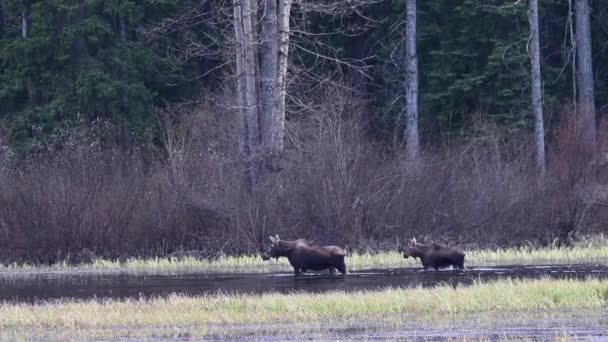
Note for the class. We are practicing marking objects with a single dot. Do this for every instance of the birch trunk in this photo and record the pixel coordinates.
(269, 67)
(240, 76)
(586, 98)
(411, 83)
(256, 54)
(281, 83)
(573, 52)
(261, 80)
(537, 107)
(251, 108)
(241, 92)
(25, 18)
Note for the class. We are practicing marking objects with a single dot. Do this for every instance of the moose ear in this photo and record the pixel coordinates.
(273, 239)
(277, 236)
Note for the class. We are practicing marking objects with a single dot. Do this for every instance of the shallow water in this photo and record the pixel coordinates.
(16, 288)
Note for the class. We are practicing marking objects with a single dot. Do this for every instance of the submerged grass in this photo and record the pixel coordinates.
(391, 306)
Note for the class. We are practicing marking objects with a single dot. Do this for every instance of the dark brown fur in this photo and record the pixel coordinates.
(435, 255)
(303, 255)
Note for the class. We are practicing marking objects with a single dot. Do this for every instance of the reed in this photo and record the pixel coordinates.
(589, 252)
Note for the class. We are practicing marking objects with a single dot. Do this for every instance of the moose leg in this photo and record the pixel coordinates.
(461, 263)
(342, 268)
(425, 264)
(297, 271)
(332, 270)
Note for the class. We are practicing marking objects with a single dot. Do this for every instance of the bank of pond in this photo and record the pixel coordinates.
(542, 308)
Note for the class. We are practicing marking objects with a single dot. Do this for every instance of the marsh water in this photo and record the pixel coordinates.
(33, 288)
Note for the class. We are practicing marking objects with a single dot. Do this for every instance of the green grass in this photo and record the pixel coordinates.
(582, 253)
(394, 307)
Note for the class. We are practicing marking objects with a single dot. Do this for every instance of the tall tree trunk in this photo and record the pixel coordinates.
(261, 80)
(572, 53)
(274, 57)
(586, 100)
(411, 83)
(26, 26)
(269, 66)
(241, 85)
(122, 27)
(537, 107)
(26, 8)
(250, 88)
(281, 83)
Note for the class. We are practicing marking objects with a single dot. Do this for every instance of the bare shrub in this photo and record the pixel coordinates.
(336, 185)
(571, 200)
(81, 199)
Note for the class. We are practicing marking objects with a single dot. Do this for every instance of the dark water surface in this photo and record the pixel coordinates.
(32, 288)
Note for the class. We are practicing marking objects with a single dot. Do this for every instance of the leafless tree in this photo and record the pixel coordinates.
(537, 107)
(246, 85)
(261, 42)
(411, 83)
(263, 73)
(264, 110)
(584, 63)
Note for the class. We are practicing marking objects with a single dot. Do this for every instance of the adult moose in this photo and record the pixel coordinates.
(435, 255)
(303, 255)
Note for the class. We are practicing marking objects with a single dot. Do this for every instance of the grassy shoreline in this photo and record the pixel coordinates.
(195, 316)
(591, 253)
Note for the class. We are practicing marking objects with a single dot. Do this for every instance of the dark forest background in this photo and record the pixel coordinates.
(119, 133)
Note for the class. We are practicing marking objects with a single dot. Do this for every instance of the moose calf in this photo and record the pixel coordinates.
(435, 255)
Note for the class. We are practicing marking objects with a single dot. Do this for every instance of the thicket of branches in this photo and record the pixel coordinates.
(338, 186)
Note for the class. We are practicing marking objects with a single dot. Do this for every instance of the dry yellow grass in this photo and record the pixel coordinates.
(177, 313)
(590, 250)
(355, 261)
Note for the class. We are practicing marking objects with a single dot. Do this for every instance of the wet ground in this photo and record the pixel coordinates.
(579, 326)
(577, 329)
(15, 288)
